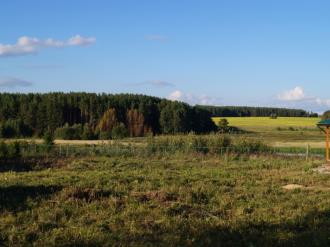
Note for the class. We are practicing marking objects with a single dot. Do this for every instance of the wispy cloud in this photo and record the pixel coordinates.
(155, 83)
(156, 37)
(192, 99)
(28, 45)
(41, 66)
(11, 82)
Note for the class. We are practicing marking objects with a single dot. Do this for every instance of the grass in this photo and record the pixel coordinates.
(166, 200)
(301, 122)
(281, 131)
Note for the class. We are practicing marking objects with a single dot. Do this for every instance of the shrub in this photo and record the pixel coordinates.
(14, 150)
(14, 128)
(220, 143)
(48, 138)
(3, 150)
(87, 133)
(223, 125)
(200, 144)
(326, 115)
(244, 145)
(105, 135)
(67, 132)
(119, 132)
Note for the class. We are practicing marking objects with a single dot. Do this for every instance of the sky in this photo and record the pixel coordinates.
(222, 52)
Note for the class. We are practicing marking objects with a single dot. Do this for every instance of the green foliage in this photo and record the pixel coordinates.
(119, 132)
(67, 132)
(10, 150)
(14, 128)
(48, 138)
(244, 111)
(326, 115)
(88, 133)
(273, 116)
(104, 135)
(3, 150)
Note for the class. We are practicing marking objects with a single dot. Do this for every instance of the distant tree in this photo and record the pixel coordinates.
(135, 123)
(273, 116)
(108, 121)
(326, 115)
(48, 138)
(88, 133)
(223, 125)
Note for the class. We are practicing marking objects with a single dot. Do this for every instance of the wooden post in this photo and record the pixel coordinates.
(327, 144)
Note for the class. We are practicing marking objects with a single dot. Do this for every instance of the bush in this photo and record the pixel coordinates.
(14, 128)
(14, 150)
(10, 151)
(87, 133)
(200, 144)
(67, 132)
(105, 135)
(3, 150)
(48, 138)
(326, 115)
(119, 132)
(244, 145)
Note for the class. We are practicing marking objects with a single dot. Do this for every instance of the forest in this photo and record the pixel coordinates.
(246, 111)
(97, 116)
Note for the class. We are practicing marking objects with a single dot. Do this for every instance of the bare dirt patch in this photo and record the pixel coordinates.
(293, 186)
(324, 169)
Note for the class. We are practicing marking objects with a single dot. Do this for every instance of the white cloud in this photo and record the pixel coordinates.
(176, 95)
(296, 97)
(11, 82)
(27, 45)
(296, 94)
(323, 102)
(192, 99)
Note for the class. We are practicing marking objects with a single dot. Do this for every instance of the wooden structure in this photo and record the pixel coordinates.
(324, 125)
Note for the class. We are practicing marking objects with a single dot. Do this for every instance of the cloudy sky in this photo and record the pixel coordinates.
(258, 53)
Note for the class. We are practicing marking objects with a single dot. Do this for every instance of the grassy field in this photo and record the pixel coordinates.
(290, 131)
(166, 200)
(284, 122)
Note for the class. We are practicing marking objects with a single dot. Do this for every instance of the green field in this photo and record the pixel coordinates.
(283, 131)
(285, 122)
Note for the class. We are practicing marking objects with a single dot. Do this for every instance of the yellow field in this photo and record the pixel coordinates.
(267, 122)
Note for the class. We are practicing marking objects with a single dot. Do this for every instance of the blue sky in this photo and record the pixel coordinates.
(230, 52)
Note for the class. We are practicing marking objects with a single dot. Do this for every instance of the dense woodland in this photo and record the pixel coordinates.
(91, 116)
(245, 111)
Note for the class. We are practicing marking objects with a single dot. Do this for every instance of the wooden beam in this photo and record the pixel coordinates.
(327, 144)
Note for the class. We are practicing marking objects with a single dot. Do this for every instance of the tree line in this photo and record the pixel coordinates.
(92, 116)
(245, 111)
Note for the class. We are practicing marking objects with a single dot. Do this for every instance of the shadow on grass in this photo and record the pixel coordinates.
(15, 198)
(30, 164)
(309, 230)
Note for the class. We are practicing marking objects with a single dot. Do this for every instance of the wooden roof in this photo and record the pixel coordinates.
(325, 122)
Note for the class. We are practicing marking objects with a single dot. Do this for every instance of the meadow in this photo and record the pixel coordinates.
(280, 132)
(166, 199)
(183, 190)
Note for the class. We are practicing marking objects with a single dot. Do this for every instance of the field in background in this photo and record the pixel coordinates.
(266, 122)
(280, 132)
